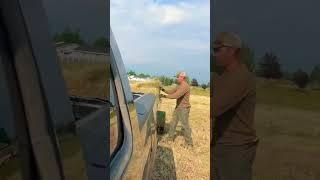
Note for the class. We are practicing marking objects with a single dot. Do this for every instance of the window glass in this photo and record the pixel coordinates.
(79, 34)
(115, 120)
(10, 158)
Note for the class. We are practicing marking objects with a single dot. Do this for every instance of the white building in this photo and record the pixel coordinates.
(133, 78)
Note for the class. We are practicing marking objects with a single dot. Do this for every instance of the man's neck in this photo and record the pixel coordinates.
(182, 82)
(233, 66)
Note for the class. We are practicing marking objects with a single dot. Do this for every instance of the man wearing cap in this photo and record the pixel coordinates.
(182, 109)
(233, 94)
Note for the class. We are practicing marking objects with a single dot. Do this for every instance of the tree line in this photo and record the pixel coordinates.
(167, 81)
(73, 36)
(269, 67)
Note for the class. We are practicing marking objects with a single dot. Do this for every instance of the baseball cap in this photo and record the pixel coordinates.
(227, 39)
(181, 73)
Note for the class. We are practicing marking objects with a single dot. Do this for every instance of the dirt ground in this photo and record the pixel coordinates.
(289, 147)
(176, 162)
(288, 126)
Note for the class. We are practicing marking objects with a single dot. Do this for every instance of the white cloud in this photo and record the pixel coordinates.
(151, 32)
(172, 15)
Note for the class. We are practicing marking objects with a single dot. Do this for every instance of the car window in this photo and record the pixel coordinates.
(79, 36)
(9, 155)
(116, 132)
(121, 68)
(10, 158)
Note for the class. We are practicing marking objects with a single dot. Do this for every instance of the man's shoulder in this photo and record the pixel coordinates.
(247, 75)
(250, 80)
(185, 85)
(240, 78)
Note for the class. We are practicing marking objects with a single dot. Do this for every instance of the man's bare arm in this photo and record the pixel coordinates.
(170, 91)
(180, 91)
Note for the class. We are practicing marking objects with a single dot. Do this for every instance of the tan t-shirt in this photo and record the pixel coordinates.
(181, 93)
(233, 101)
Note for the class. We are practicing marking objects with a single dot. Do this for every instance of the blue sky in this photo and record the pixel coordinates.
(160, 37)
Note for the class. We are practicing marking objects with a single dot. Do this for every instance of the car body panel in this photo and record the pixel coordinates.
(141, 114)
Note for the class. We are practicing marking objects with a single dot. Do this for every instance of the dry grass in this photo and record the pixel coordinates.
(289, 144)
(283, 93)
(145, 87)
(287, 122)
(174, 161)
(199, 91)
(86, 80)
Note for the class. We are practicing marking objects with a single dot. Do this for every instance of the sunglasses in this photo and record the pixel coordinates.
(219, 48)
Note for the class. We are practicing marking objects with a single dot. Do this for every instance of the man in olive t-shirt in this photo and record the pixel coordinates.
(233, 99)
(182, 109)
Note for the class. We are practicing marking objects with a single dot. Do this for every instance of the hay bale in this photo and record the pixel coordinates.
(161, 121)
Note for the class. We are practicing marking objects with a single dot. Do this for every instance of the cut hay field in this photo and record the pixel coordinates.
(174, 161)
(287, 121)
(288, 125)
(289, 147)
(86, 80)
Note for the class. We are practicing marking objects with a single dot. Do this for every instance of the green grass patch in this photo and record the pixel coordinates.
(283, 93)
(200, 91)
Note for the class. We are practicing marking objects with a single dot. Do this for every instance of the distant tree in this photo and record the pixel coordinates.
(315, 74)
(194, 82)
(69, 36)
(247, 57)
(301, 78)
(269, 66)
(166, 81)
(142, 75)
(204, 86)
(101, 42)
(132, 73)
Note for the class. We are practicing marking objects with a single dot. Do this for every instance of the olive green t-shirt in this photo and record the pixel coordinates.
(233, 97)
(181, 93)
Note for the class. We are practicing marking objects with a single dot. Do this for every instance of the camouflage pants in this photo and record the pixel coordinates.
(182, 115)
(233, 162)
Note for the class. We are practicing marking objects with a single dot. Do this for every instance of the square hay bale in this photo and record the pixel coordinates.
(161, 121)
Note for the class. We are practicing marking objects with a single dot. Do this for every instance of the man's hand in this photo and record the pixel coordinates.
(162, 96)
(162, 89)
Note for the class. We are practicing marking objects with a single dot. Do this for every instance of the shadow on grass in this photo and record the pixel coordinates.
(164, 167)
(178, 132)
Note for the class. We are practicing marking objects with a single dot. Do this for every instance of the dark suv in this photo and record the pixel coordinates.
(66, 109)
